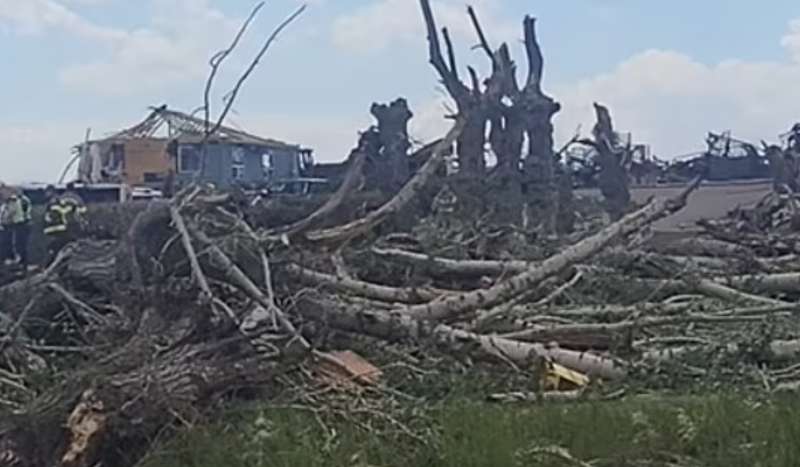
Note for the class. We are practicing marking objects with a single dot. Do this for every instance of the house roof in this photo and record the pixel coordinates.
(188, 128)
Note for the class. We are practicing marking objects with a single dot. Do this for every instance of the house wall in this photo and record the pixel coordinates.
(285, 163)
(145, 156)
(219, 164)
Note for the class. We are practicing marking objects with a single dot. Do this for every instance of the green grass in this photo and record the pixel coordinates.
(709, 431)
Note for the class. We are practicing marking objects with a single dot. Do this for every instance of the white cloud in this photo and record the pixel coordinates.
(173, 47)
(36, 152)
(36, 16)
(87, 2)
(670, 100)
(382, 23)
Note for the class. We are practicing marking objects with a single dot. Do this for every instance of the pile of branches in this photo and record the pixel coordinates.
(121, 339)
(193, 302)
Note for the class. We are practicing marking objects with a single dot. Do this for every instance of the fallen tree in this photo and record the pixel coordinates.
(199, 299)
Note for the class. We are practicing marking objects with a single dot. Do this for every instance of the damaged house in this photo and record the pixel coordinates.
(169, 143)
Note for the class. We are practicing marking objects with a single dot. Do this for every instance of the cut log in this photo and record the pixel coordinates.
(555, 333)
(445, 266)
(396, 326)
(788, 283)
(454, 305)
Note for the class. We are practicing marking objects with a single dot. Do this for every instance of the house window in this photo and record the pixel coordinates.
(237, 163)
(117, 162)
(188, 159)
(266, 164)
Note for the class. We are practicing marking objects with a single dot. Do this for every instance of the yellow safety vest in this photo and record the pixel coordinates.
(57, 217)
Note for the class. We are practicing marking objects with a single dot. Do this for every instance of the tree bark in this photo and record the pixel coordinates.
(454, 305)
(339, 234)
(364, 289)
(612, 159)
(352, 182)
(471, 141)
(399, 327)
(539, 110)
(393, 134)
(784, 168)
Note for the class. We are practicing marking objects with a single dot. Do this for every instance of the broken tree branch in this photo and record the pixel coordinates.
(454, 305)
(351, 183)
(231, 96)
(342, 233)
(216, 62)
(395, 326)
(364, 289)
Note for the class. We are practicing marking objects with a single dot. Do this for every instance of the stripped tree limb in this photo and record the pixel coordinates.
(197, 270)
(454, 305)
(231, 96)
(553, 333)
(186, 241)
(351, 183)
(456, 267)
(216, 62)
(364, 289)
(342, 233)
(560, 290)
(238, 277)
(770, 283)
(395, 326)
(721, 291)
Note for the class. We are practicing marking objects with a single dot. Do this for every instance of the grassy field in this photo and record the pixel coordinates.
(712, 431)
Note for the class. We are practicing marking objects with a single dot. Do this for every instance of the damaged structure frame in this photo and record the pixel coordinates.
(170, 143)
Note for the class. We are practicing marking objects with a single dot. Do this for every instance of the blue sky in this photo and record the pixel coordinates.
(670, 71)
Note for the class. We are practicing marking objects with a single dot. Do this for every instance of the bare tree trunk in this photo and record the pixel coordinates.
(612, 159)
(470, 147)
(783, 166)
(453, 305)
(539, 110)
(342, 233)
(398, 327)
(471, 141)
(540, 177)
(393, 134)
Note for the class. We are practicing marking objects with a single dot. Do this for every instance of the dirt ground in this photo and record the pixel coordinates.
(711, 200)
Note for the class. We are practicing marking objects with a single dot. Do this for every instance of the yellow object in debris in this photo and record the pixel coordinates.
(555, 377)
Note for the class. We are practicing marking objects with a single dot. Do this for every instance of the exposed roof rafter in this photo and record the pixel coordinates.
(185, 127)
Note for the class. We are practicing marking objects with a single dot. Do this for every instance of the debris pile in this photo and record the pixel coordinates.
(119, 338)
(204, 297)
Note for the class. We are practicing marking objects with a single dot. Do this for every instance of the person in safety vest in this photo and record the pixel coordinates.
(6, 238)
(18, 216)
(63, 221)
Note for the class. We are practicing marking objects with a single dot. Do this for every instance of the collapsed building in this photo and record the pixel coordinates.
(169, 145)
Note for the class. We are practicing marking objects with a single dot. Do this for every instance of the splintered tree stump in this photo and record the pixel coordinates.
(393, 134)
(613, 160)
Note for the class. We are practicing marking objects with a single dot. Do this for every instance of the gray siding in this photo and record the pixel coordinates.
(285, 163)
(219, 164)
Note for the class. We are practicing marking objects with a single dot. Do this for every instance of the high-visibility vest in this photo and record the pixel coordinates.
(61, 215)
(16, 210)
(21, 210)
